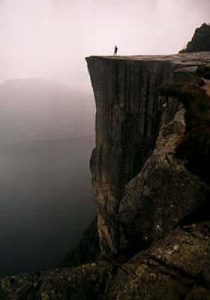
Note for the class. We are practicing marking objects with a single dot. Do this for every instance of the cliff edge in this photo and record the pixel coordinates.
(149, 172)
(151, 182)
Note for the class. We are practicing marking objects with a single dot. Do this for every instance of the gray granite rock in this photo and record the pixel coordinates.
(141, 189)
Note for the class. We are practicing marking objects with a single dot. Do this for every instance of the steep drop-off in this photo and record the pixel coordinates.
(127, 122)
(142, 190)
(150, 173)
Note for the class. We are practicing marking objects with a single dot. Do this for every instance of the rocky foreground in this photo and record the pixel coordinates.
(177, 267)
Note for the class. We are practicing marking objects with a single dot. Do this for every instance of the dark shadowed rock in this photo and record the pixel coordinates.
(200, 40)
(164, 192)
(127, 119)
(142, 188)
(86, 282)
(175, 268)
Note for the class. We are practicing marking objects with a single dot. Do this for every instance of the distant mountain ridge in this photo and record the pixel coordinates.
(41, 109)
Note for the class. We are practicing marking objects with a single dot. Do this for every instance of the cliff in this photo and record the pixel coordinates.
(142, 189)
(151, 184)
(127, 121)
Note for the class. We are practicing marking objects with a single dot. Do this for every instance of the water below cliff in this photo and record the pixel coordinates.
(45, 192)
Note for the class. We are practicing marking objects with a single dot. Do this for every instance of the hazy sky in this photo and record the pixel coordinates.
(50, 38)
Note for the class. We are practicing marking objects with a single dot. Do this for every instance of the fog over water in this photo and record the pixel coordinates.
(46, 138)
(47, 110)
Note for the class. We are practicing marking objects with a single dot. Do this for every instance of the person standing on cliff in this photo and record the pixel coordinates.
(115, 50)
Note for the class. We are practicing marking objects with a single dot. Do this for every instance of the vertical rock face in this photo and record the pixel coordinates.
(142, 189)
(127, 122)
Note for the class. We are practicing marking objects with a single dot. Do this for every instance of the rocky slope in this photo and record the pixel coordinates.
(175, 268)
(151, 186)
(200, 40)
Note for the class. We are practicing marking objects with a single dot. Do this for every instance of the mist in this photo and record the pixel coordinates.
(47, 110)
(46, 139)
(51, 38)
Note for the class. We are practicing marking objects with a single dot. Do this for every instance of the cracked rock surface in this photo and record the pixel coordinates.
(177, 267)
(142, 188)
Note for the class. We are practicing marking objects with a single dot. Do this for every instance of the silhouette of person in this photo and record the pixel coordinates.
(115, 50)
